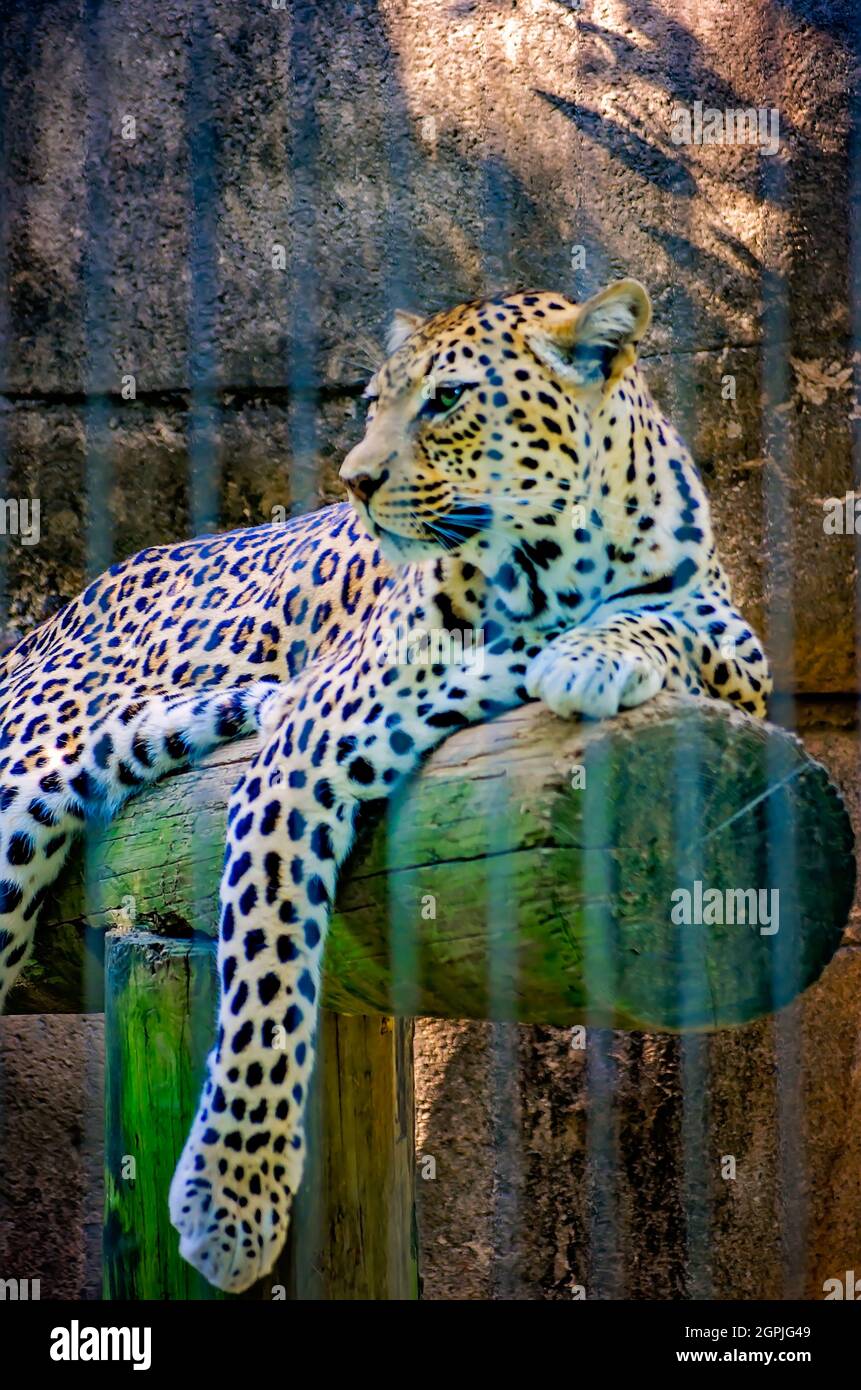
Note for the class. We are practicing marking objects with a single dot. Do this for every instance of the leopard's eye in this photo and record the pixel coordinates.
(443, 399)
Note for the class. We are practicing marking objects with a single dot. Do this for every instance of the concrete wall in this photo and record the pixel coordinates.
(293, 175)
(51, 1090)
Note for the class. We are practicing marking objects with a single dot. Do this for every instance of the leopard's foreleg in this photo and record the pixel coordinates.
(703, 646)
(291, 822)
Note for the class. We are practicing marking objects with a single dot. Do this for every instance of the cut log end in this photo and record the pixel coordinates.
(680, 867)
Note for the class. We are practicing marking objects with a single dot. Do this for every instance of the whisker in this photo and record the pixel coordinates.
(603, 507)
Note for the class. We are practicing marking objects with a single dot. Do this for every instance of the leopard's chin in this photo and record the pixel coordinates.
(399, 551)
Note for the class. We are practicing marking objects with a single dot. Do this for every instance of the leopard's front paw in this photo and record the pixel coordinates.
(232, 1211)
(581, 675)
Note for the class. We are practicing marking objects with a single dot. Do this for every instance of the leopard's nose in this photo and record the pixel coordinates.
(363, 486)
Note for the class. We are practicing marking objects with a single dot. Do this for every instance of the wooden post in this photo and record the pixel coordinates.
(353, 1230)
(160, 1001)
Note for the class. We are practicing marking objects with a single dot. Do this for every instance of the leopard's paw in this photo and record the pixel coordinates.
(232, 1211)
(577, 675)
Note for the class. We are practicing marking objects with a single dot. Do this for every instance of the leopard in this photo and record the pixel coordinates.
(515, 480)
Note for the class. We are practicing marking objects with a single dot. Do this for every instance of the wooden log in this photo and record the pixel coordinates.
(529, 873)
(353, 1231)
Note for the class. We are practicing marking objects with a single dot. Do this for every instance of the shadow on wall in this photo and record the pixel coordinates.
(212, 213)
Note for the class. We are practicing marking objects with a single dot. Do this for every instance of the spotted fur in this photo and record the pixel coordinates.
(516, 481)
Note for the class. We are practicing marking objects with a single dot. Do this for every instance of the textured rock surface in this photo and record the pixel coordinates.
(226, 197)
(561, 1205)
(407, 151)
(51, 1085)
(112, 483)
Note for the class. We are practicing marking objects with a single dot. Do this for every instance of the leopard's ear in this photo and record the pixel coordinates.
(599, 339)
(402, 326)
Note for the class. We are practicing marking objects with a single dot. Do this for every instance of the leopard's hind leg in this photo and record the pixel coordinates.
(42, 811)
(34, 842)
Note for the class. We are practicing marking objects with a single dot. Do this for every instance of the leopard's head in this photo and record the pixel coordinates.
(480, 422)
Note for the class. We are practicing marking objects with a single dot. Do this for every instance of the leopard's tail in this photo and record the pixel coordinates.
(154, 736)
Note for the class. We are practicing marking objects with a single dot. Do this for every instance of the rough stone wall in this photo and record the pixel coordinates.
(290, 176)
(51, 1089)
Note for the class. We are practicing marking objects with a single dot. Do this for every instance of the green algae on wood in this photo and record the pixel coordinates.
(353, 1227)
